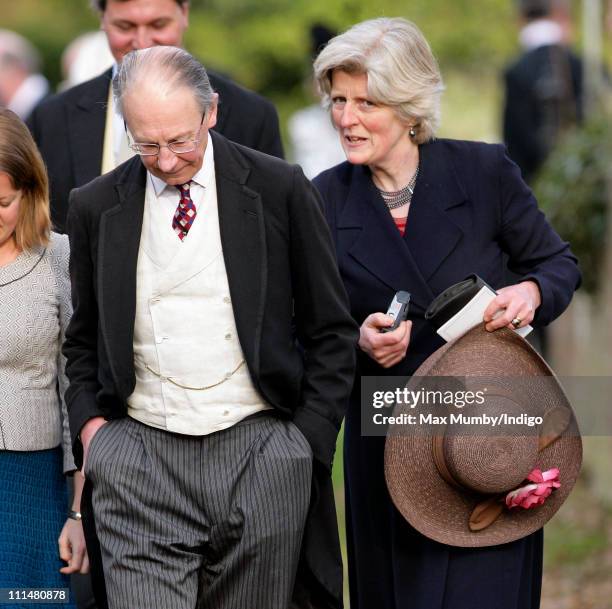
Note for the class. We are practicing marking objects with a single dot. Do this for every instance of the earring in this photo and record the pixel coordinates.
(412, 132)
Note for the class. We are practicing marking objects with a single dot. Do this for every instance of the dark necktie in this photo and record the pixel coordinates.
(185, 213)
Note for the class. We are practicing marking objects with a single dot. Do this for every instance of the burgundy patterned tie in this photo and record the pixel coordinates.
(185, 213)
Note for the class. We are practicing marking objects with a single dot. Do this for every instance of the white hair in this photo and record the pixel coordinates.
(15, 50)
(401, 69)
(165, 69)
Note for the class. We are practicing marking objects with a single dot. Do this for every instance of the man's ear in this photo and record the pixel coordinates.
(211, 119)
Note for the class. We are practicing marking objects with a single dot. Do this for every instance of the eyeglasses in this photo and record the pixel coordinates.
(177, 146)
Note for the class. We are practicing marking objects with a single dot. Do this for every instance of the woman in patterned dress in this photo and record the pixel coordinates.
(35, 448)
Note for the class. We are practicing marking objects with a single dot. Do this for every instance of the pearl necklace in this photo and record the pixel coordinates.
(397, 198)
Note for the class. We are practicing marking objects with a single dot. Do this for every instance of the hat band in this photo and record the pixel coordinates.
(487, 511)
(437, 451)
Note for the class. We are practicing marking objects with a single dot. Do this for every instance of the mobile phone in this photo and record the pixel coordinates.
(398, 309)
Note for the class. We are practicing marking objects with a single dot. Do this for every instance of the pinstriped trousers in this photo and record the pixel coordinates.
(206, 522)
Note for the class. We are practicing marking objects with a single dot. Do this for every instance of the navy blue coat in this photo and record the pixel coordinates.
(470, 212)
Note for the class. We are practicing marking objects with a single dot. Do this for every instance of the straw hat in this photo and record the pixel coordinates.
(451, 483)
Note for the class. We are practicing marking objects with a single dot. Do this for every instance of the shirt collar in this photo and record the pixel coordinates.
(541, 32)
(29, 93)
(203, 177)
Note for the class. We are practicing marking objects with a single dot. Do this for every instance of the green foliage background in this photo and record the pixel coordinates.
(264, 44)
(573, 189)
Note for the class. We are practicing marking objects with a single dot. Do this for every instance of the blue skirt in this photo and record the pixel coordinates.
(33, 506)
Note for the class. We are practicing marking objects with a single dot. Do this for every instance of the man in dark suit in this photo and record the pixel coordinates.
(198, 423)
(543, 95)
(543, 87)
(80, 136)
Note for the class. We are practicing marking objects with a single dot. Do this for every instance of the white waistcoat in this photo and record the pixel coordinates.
(185, 331)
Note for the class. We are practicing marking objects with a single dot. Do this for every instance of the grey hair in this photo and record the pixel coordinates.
(167, 68)
(100, 5)
(401, 69)
(15, 50)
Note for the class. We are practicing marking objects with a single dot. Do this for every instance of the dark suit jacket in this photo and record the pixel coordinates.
(470, 209)
(280, 266)
(543, 96)
(69, 131)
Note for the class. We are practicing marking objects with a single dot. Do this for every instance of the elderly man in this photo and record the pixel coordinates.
(81, 136)
(22, 87)
(199, 423)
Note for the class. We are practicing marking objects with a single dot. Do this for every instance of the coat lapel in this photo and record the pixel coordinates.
(120, 229)
(87, 119)
(241, 223)
(379, 246)
(431, 233)
(405, 263)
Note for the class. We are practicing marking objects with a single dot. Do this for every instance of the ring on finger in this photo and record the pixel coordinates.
(516, 322)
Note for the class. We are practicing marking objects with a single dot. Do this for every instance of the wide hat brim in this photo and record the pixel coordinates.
(438, 509)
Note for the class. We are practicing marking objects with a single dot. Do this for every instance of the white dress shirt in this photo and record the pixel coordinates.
(191, 377)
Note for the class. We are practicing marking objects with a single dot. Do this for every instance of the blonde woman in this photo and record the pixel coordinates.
(35, 449)
(411, 212)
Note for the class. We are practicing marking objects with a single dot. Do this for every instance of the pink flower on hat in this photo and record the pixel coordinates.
(531, 495)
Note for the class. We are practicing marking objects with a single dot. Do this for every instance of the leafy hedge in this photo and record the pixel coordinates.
(573, 190)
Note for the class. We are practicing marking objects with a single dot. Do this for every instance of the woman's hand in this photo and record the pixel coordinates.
(385, 348)
(72, 548)
(515, 302)
(72, 539)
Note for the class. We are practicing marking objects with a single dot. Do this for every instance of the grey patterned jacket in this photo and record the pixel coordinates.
(35, 309)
